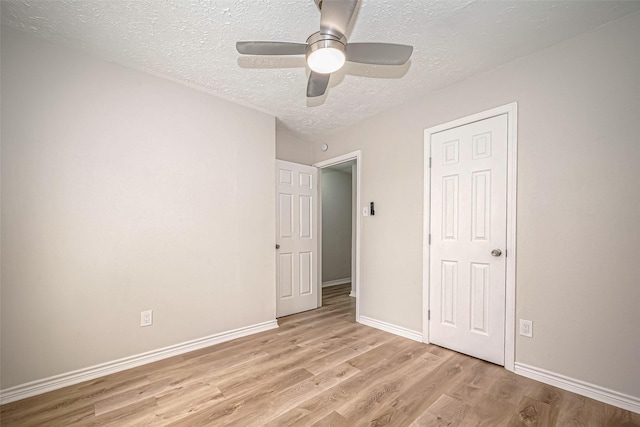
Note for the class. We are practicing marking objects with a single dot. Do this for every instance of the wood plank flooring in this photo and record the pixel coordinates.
(320, 368)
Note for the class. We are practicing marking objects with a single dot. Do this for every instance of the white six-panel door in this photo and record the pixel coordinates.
(468, 238)
(296, 240)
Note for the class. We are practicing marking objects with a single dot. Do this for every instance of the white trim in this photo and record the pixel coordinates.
(318, 231)
(583, 388)
(34, 388)
(512, 174)
(336, 282)
(357, 156)
(391, 328)
(338, 159)
(510, 253)
(426, 228)
(352, 294)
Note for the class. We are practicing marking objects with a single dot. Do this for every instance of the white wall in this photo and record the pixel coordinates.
(336, 225)
(578, 201)
(123, 192)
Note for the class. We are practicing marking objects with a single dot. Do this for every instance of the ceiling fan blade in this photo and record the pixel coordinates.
(317, 85)
(336, 15)
(378, 53)
(271, 48)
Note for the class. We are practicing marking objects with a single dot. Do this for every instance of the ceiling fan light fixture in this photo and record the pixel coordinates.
(326, 56)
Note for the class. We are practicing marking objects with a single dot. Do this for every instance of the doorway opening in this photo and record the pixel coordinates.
(339, 226)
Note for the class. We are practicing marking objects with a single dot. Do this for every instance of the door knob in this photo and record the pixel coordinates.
(496, 252)
(277, 246)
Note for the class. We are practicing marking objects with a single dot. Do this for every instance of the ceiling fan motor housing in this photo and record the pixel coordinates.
(319, 41)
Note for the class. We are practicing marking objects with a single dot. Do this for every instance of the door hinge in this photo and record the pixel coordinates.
(429, 162)
(505, 253)
(428, 314)
(429, 238)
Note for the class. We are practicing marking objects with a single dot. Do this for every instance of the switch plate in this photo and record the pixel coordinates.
(526, 328)
(365, 211)
(146, 318)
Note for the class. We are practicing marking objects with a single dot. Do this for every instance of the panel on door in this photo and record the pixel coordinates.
(296, 241)
(467, 222)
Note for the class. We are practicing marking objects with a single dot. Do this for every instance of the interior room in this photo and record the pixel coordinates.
(163, 216)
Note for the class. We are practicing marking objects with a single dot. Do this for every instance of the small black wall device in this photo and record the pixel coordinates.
(372, 211)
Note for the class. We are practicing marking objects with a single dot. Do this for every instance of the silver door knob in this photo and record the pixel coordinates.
(277, 246)
(496, 252)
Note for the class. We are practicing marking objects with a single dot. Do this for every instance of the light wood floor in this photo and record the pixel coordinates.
(319, 368)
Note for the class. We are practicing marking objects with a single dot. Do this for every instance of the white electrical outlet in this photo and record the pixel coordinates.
(526, 328)
(146, 318)
(365, 211)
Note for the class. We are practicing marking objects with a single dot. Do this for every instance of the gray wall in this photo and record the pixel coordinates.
(578, 201)
(336, 225)
(123, 192)
(292, 148)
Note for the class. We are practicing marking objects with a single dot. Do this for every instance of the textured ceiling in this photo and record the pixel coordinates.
(194, 42)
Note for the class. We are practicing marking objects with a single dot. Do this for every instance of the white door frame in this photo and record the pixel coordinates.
(356, 285)
(512, 157)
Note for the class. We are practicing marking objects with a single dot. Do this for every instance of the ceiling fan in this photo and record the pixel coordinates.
(327, 50)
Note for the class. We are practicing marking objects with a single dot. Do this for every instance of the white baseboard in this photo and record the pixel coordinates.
(392, 329)
(352, 293)
(336, 282)
(583, 388)
(63, 380)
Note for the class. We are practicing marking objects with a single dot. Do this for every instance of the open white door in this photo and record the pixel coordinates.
(468, 238)
(296, 240)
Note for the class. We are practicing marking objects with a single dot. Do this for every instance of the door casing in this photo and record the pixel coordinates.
(512, 142)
